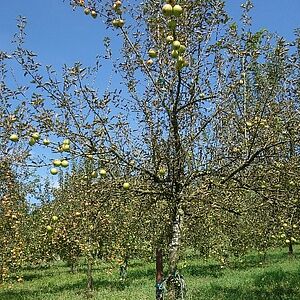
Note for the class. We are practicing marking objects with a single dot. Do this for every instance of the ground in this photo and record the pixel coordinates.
(275, 278)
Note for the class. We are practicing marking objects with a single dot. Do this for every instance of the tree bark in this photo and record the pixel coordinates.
(90, 282)
(159, 273)
(291, 250)
(175, 283)
(71, 264)
(123, 269)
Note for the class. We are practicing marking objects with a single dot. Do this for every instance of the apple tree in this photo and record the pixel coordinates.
(201, 90)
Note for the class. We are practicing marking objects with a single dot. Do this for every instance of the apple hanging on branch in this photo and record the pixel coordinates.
(126, 185)
(54, 171)
(14, 138)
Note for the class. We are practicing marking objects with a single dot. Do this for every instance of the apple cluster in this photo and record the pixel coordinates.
(61, 163)
(87, 10)
(49, 227)
(34, 138)
(117, 8)
(152, 54)
(170, 9)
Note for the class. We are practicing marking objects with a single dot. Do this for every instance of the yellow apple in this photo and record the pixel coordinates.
(162, 171)
(14, 137)
(177, 10)
(118, 3)
(149, 62)
(93, 14)
(66, 141)
(102, 172)
(152, 53)
(174, 53)
(181, 49)
(169, 39)
(65, 147)
(167, 10)
(64, 163)
(57, 162)
(54, 218)
(53, 171)
(49, 228)
(118, 23)
(126, 185)
(176, 45)
(32, 141)
(46, 142)
(35, 135)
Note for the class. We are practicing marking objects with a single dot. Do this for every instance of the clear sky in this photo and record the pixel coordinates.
(60, 35)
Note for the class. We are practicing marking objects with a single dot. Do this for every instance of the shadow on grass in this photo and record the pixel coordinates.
(79, 288)
(135, 274)
(272, 285)
(254, 260)
(211, 270)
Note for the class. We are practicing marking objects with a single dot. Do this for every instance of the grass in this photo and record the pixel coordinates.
(277, 278)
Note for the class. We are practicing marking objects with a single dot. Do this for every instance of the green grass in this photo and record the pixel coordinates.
(278, 277)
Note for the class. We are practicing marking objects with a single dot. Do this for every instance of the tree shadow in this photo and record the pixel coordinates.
(141, 273)
(272, 285)
(211, 270)
(254, 260)
(78, 288)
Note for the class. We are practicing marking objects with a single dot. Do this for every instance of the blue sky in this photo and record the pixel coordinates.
(60, 35)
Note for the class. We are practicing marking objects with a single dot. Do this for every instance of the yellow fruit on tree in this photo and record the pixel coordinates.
(174, 53)
(14, 138)
(176, 45)
(102, 172)
(169, 39)
(53, 171)
(149, 62)
(65, 147)
(46, 142)
(35, 135)
(32, 141)
(152, 53)
(57, 162)
(94, 14)
(64, 163)
(167, 10)
(126, 185)
(177, 10)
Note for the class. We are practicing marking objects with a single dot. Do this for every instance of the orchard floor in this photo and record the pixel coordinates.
(277, 278)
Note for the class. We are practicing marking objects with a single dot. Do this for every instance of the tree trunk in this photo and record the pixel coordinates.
(175, 282)
(72, 268)
(123, 269)
(90, 282)
(159, 274)
(71, 265)
(291, 250)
